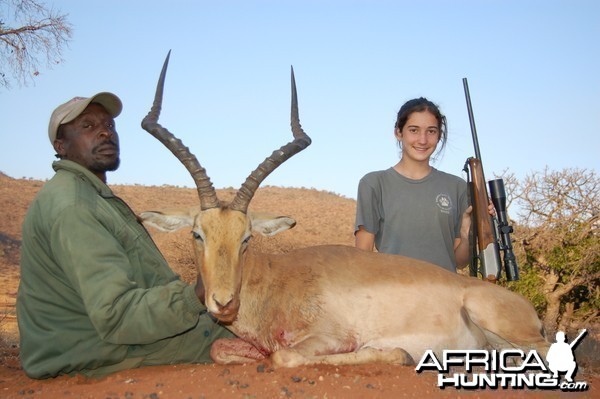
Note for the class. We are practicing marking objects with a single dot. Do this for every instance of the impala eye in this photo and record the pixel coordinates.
(197, 236)
(246, 240)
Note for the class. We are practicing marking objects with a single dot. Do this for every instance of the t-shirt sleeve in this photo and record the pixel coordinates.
(367, 214)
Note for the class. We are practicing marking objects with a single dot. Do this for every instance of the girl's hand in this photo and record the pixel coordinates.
(465, 224)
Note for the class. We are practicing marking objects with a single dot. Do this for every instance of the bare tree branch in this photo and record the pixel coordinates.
(30, 34)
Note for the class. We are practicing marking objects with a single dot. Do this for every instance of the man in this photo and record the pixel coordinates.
(96, 295)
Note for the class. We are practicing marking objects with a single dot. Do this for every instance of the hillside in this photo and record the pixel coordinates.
(322, 218)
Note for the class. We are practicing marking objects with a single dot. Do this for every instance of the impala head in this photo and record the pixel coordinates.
(222, 230)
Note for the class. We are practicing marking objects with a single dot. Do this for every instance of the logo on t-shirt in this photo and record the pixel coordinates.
(444, 202)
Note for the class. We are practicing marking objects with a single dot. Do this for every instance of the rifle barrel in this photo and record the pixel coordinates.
(471, 119)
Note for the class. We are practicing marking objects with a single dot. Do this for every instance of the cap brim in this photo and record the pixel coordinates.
(72, 109)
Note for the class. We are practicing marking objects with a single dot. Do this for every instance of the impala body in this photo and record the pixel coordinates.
(306, 305)
(329, 304)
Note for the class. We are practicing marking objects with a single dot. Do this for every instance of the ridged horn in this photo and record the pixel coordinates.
(300, 142)
(206, 191)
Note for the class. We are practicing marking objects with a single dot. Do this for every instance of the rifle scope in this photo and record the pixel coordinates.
(498, 197)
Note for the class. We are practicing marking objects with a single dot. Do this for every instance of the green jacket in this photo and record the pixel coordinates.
(94, 287)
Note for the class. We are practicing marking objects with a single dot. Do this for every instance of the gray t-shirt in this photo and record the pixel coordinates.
(415, 218)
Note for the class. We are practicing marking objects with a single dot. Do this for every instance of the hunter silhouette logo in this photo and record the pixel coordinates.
(507, 368)
(560, 356)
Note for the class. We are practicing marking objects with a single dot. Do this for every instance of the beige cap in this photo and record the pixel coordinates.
(70, 110)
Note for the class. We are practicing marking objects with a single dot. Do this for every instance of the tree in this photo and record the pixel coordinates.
(34, 32)
(558, 245)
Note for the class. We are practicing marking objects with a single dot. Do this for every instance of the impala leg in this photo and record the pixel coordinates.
(508, 320)
(234, 351)
(293, 358)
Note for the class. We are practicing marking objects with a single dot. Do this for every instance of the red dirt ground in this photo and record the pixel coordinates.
(322, 218)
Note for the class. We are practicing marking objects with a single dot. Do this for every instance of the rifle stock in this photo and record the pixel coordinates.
(486, 229)
(487, 244)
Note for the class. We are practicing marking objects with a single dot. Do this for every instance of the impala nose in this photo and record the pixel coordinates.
(223, 303)
(225, 310)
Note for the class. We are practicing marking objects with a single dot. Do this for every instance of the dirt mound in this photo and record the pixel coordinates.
(322, 218)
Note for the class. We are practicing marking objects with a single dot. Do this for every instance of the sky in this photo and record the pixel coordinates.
(532, 69)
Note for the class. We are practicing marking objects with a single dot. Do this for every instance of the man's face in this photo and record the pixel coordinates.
(91, 140)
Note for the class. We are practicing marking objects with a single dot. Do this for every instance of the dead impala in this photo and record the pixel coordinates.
(329, 304)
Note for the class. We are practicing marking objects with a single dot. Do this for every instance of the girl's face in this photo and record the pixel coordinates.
(419, 136)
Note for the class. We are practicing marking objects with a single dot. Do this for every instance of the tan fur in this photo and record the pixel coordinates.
(341, 305)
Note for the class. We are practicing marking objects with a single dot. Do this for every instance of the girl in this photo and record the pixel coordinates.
(413, 209)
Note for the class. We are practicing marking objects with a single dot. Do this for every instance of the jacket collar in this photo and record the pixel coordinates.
(84, 174)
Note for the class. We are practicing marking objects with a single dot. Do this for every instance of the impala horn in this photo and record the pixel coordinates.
(300, 142)
(206, 191)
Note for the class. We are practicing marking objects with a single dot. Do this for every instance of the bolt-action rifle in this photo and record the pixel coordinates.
(485, 259)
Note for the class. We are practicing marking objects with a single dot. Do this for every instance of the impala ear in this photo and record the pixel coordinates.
(269, 224)
(167, 221)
